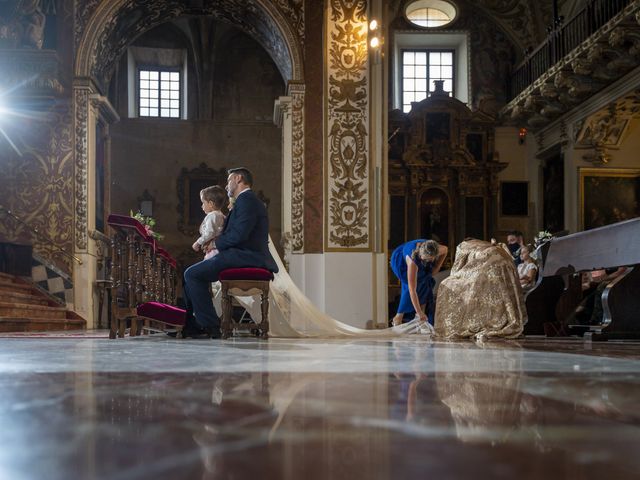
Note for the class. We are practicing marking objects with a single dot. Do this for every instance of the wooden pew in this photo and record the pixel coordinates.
(140, 272)
(564, 258)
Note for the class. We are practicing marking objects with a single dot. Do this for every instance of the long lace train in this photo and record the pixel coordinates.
(293, 315)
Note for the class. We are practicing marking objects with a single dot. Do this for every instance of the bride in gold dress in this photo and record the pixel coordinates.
(482, 297)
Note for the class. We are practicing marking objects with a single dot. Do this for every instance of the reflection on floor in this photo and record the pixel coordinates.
(74, 408)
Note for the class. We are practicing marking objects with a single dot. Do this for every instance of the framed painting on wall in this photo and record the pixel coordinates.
(433, 212)
(438, 127)
(608, 195)
(475, 145)
(514, 199)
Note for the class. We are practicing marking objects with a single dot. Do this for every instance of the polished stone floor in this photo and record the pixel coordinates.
(155, 408)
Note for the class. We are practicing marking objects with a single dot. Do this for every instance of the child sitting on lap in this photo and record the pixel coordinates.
(213, 199)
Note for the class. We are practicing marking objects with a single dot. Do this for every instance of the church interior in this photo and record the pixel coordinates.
(366, 124)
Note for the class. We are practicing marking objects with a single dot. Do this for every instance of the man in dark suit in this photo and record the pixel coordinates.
(244, 242)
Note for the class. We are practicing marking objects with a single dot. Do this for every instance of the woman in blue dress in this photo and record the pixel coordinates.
(414, 263)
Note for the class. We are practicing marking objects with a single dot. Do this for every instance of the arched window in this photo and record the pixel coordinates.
(431, 13)
(428, 53)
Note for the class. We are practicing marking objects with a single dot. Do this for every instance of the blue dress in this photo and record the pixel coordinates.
(425, 281)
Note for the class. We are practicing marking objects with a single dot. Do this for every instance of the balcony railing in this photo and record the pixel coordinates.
(562, 41)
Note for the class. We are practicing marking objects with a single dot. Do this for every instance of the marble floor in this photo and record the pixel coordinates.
(156, 408)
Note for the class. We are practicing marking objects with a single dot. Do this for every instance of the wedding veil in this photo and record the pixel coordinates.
(293, 315)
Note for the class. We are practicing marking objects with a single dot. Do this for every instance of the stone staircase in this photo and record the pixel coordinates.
(23, 308)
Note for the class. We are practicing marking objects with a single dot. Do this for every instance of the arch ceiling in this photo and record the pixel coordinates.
(110, 31)
(524, 21)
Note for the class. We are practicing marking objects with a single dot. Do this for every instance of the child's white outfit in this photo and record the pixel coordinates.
(210, 228)
(523, 270)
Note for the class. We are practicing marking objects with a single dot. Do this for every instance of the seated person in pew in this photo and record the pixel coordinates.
(515, 241)
(604, 278)
(527, 269)
(242, 243)
(590, 311)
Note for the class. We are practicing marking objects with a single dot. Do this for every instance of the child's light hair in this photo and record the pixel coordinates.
(215, 194)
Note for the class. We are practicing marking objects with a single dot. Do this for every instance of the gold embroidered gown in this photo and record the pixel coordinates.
(482, 297)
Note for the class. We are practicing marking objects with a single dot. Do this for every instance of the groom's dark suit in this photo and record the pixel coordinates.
(244, 242)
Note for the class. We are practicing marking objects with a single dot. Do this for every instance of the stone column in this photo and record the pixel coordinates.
(89, 108)
(354, 263)
(282, 118)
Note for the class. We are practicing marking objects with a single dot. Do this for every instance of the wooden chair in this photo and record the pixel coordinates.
(156, 316)
(244, 281)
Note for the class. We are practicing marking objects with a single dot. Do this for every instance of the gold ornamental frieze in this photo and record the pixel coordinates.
(81, 108)
(296, 91)
(36, 185)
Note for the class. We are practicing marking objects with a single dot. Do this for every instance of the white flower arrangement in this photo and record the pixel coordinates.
(543, 236)
(148, 223)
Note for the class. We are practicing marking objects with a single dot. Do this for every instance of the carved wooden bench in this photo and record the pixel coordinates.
(557, 290)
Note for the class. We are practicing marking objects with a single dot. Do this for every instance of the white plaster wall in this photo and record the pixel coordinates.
(520, 168)
(512, 152)
(349, 287)
(307, 272)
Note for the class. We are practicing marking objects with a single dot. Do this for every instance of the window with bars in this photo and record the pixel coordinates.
(419, 70)
(159, 93)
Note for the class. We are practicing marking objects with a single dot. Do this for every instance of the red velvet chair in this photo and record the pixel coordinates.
(157, 316)
(244, 281)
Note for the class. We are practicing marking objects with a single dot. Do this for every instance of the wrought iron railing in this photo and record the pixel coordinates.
(562, 40)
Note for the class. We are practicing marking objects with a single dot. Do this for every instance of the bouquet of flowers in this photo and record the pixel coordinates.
(542, 236)
(148, 223)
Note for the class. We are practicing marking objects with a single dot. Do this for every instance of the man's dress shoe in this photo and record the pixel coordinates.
(199, 332)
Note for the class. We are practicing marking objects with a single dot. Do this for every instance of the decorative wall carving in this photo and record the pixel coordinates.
(30, 73)
(603, 130)
(22, 24)
(525, 22)
(296, 91)
(83, 10)
(81, 115)
(38, 185)
(491, 60)
(294, 11)
(347, 162)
